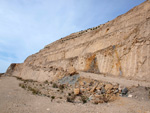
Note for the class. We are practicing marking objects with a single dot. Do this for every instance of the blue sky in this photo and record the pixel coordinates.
(26, 26)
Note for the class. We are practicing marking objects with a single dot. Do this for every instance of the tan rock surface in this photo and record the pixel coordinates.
(120, 47)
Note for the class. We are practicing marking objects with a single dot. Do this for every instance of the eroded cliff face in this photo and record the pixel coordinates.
(120, 47)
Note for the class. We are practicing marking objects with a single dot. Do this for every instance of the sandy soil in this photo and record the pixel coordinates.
(14, 99)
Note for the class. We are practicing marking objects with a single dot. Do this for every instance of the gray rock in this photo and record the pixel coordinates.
(103, 90)
(71, 80)
(124, 91)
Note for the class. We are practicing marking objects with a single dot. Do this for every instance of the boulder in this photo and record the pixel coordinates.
(108, 86)
(93, 89)
(77, 91)
(71, 70)
(124, 91)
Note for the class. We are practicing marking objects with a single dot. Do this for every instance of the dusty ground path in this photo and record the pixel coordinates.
(14, 99)
(122, 81)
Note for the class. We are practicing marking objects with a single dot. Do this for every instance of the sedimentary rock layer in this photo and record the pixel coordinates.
(120, 47)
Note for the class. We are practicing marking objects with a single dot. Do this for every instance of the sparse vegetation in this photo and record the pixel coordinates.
(84, 99)
(70, 99)
(34, 90)
(51, 82)
(46, 82)
(69, 94)
(19, 78)
(95, 102)
(61, 87)
(55, 85)
(52, 97)
(22, 85)
(27, 80)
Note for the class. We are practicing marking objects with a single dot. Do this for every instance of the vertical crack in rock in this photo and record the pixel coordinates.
(119, 47)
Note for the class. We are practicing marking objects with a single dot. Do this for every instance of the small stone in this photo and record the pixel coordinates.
(130, 96)
(90, 98)
(108, 91)
(88, 89)
(103, 90)
(124, 91)
(47, 109)
(95, 102)
(100, 101)
(99, 92)
(93, 89)
(76, 91)
(81, 83)
(120, 87)
(116, 91)
(91, 83)
(105, 99)
(108, 86)
(98, 96)
(107, 96)
(116, 86)
(112, 97)
(99, 86)
(82, 89)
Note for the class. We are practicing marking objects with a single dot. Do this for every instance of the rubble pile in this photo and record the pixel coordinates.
(76, 90)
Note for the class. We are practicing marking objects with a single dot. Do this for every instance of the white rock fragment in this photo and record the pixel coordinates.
(47, 109)
(130, 96)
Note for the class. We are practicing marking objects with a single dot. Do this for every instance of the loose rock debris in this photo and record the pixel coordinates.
(77, 89)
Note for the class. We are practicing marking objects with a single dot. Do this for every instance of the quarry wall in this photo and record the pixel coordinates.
(120, 47)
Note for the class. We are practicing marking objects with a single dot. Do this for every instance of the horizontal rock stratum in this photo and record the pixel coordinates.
(120, 47)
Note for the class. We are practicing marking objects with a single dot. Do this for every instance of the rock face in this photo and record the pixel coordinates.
(120, 47)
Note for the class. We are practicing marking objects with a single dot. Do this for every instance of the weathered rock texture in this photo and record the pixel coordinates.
(120, 47)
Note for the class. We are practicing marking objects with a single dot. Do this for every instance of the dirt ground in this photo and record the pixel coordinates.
(14, 99)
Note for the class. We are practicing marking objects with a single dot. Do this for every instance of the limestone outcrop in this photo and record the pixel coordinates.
(120, 47)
